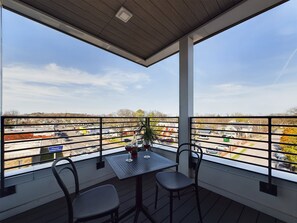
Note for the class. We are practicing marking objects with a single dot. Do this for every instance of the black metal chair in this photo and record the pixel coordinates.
(90, 204)
(176, 181)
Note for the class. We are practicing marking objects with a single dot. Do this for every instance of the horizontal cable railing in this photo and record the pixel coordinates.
(269, 142)
(27, 141)
(166, 129)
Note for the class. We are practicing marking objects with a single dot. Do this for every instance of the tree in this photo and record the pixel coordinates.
(12, 113)
(125, 113)
(292, 111)
(139, 113)
(155, 114)
(290, 148)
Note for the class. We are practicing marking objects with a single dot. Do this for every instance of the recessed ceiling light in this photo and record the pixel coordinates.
(124, 15)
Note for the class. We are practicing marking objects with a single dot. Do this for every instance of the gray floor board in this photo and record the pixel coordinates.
(215, 208)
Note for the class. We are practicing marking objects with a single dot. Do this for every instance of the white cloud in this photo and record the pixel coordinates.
(27, 86)
(246, 99)
(52, 74)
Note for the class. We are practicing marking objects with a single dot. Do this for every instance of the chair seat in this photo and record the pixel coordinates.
(95, 202)
(173, 180)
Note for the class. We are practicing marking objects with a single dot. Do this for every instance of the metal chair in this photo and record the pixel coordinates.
(91, 204)
(176, 181)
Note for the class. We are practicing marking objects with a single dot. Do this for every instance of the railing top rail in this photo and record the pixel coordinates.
(164, 117)
(95, 116)
(112, 117)
(54, 117)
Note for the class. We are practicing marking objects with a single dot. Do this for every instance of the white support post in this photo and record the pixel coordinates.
(1, 53)
(2, 185)
(186, 94)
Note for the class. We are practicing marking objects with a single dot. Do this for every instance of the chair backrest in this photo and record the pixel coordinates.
(194, 149)
(57, 170)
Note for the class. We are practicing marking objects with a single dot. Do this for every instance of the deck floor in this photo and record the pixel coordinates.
(215, 208)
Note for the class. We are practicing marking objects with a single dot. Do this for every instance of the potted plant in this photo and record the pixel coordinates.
(148, 136)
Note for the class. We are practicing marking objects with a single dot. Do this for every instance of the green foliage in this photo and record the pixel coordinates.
(243, 120)
(139, 113)
(290, 148)
(149, 134)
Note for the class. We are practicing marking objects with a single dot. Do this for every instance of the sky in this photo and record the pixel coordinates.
(249, 69)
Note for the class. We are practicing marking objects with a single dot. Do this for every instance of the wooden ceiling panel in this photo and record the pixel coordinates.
(131, 35)
(122, 40)
(172, 15)
(149, 20)
(70, 17)
(82, 8)
(135, 32)
(103, 7)
(198, 9)
(158, 13)
(150, 31)
(184, 11)
(154, 25)
(95, 19)
(212, 7)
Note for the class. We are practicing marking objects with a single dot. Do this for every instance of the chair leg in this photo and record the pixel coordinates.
(136, 216)
(171, 205)
(156, 196)
(198, 205)
(178, 195)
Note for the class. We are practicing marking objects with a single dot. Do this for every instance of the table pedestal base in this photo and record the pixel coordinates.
(139, 205)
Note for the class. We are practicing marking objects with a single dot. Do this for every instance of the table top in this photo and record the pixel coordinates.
(139, 165)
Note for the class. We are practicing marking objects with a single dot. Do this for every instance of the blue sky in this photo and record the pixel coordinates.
(249, 69)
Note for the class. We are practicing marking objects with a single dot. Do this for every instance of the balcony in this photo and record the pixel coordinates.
(235, 173)
(248, 168)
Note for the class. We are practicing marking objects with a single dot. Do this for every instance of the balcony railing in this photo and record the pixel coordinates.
(27, 142)
(266, 142)
(30, 143)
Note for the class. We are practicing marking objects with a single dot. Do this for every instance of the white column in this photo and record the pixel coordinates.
(1, 84)
(186, 94)
(1, 52)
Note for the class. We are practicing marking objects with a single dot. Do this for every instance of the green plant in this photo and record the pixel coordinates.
(149, 134)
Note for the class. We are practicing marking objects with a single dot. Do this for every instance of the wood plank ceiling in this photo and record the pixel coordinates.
(155, 28)
(155, 24)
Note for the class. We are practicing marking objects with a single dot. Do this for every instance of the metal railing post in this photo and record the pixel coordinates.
(5, 191)
(2, 156)
(269, 150)
(190, 126)
(148, 121)
(100, 141)
(101, 163)
(269, 188)
(190, 141)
